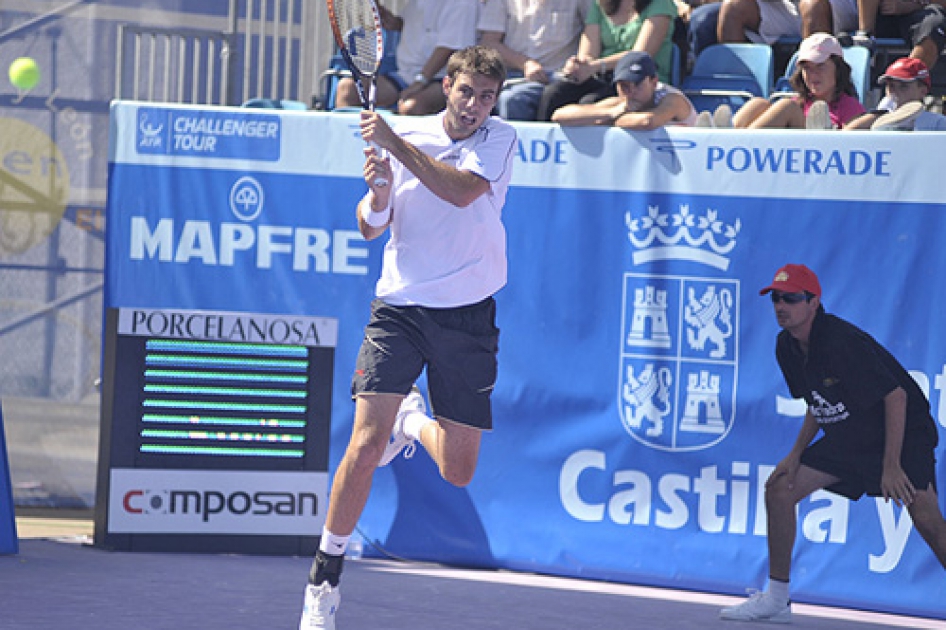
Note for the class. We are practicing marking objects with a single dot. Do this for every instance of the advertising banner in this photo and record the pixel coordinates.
(8, 539)
(639, 407)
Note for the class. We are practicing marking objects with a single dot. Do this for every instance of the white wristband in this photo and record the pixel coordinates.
(372, 218)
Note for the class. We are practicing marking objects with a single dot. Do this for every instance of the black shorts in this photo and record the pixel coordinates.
(930, 21)
(458, 346)
(860, 473)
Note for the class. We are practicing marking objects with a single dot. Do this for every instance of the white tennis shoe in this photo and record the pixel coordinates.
(818, 117)
(901, 119)
(321, 603)
(760, 606)
(399, 440)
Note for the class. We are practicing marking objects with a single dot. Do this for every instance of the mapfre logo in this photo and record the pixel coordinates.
(246, 198)
(678, 360)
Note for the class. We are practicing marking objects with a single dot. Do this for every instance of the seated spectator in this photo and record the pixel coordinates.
(613, 28)
(430, 32)
(642, 102)
(765, 21)
(922, 23)
(821, 75)
(534, 40)
(906, 83)
(701, 19)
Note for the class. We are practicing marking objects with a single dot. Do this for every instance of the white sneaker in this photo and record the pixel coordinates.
(321, 602)
(861, 38)
(399, 440)
(759, 607)
(818, 116)
(901, 119)
(722, 117)
(704, 119)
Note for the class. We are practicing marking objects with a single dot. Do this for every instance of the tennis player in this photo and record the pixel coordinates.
(879, 437)
(434, 307)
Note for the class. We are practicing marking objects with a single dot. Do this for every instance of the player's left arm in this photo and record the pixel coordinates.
(894, 483)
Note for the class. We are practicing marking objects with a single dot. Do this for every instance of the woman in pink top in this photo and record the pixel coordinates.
(821, 75)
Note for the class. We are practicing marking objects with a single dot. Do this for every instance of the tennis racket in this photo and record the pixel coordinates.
(356, 26)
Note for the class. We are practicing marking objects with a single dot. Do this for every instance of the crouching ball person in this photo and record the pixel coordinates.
(439, 184)
(879, 437)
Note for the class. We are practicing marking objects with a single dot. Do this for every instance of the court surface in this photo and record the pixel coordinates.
(64, 583)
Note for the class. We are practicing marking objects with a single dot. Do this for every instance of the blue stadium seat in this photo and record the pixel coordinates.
(731, 74)
(328, 81)
(858, 58)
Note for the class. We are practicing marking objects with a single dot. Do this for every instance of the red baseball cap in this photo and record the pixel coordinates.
(794, 279)
(907, 69)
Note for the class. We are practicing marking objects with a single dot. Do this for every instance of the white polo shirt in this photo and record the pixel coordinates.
(440, 255)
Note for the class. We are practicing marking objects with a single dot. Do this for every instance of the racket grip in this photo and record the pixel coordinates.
(380, 182)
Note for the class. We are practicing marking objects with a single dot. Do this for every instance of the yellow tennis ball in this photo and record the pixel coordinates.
(24, 73)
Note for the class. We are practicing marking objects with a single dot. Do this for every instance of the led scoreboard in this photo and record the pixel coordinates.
(215, 431)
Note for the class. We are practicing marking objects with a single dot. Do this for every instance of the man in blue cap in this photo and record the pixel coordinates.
(642, 102)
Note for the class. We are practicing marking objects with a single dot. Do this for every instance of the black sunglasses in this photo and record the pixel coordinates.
(789, 298)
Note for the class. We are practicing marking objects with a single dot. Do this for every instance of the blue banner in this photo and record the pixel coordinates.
(8, 539)
(639, 408)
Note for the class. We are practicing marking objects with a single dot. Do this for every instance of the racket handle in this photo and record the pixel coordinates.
(380, 182)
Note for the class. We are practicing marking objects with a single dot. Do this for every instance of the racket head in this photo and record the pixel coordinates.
(356, 27)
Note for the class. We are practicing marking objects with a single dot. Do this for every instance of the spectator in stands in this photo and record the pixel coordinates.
(821, 76)
(430, 32)
(535, 39)
(877, 434)
(765, 21)
(906, 82)
(613, 28)
(642, 102)
(922, 23)
(701, 18)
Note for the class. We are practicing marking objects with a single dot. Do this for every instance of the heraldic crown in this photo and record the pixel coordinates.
(683, 234)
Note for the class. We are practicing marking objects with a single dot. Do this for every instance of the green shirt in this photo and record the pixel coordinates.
(615, 38)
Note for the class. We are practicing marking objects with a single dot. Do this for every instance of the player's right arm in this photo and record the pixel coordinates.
(455, 186)
(377, 202)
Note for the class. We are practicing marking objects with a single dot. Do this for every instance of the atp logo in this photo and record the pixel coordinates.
(246, 198)
(151, 136)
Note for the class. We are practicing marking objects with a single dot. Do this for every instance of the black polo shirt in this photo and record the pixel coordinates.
(844, 380)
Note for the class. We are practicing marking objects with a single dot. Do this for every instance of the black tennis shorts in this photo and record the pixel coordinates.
(860, 473)
(458, 346)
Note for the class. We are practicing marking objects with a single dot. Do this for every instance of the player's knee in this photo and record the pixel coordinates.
(365, 449)
(777, 492)
(459, 475)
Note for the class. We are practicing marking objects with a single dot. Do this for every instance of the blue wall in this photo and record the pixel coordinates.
(618, 243)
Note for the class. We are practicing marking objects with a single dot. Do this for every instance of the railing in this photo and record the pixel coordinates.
(173, 65)
(264, 53)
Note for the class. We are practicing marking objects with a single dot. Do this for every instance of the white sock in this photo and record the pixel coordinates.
(778, 590)
(414, 421)
(333, 544)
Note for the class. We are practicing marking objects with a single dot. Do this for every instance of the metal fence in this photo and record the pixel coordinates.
(264, 53)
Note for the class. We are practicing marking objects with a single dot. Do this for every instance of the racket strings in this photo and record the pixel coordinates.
(358, 25)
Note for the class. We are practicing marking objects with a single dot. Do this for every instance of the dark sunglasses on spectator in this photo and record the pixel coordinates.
(789, 298)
